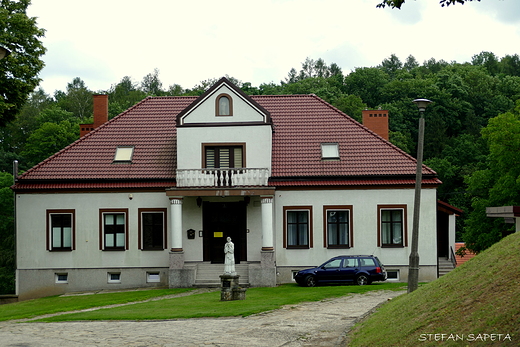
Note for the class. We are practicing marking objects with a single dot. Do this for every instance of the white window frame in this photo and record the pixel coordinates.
(111, 280)
(50, 236)
(61, 281)
(330, 151)
(124, 154)
(102, 237)
(342, 208)
(153, 277)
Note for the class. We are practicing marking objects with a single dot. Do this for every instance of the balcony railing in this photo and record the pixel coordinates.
(236, 177)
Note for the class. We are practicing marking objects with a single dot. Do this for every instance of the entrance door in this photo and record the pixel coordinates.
(220, 220)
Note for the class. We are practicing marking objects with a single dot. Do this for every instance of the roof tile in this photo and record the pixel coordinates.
(301, 124)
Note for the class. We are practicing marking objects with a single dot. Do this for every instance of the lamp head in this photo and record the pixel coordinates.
(422, 103)
(4, 52)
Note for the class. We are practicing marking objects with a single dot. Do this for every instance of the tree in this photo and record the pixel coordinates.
(391, 65)
(123, 95)
(7, 255)
(399, 3)
(151, 84)
(77, 99)
(496, 185)
(19, 71)
(49, 139)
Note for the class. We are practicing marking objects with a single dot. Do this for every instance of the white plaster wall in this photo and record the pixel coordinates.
(205, 112)
(364, 220)
(31, 229)
(258, 140)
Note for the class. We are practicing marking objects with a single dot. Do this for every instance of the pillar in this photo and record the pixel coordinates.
(176, 220)
(267, 223)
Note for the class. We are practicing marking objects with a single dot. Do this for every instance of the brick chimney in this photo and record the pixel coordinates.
(100, 114)
(377, 121)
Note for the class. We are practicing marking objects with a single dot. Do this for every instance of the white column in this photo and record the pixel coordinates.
(176, 222)
(517, 224)
(267, 223)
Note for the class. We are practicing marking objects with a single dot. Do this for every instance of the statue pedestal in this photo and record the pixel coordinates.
(230, 288)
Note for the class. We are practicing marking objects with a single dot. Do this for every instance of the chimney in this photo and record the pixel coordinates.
(100, 114)
(377, 121)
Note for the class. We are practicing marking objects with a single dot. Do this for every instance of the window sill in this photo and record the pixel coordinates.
(338, 247)
(153, 249)
(114, 249)
(60, 250)
(392, 246)
(298, 247)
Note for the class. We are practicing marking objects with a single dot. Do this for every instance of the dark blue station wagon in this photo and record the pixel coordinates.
(360, 269)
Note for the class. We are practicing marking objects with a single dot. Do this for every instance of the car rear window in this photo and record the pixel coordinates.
(367, 262)
(350, 262)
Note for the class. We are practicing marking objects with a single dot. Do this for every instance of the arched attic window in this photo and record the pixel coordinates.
(224, 105)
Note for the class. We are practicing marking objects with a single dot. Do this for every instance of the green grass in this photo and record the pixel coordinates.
(53, 304)
(192, 306)
(480, 297)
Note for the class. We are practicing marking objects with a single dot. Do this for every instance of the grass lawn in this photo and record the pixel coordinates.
(192, 306)
(53, 304)
(479, 298)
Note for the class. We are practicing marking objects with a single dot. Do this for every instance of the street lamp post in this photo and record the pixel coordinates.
(4, 52)
(413, 266)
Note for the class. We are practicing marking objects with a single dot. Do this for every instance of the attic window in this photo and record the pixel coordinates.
(124, 154)
(329, 151)
(224, 105)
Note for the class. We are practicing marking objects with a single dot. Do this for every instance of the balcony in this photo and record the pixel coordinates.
(222, 177)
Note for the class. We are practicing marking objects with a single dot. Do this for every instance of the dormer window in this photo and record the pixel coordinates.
(329, 151)
(224, 105)
(124, 154)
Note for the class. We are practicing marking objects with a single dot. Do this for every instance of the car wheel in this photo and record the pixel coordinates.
(362, 280)
(310, 281)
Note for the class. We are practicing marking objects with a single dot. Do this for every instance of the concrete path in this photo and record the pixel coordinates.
(323, 323)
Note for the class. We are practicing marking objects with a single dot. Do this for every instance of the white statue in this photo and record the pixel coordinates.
(229, 259)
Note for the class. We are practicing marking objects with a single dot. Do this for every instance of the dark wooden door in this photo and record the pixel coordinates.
(220, 220)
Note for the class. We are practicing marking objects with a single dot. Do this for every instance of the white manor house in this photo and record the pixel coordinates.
(149, 197)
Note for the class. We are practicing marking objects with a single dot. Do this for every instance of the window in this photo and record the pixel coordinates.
(61, 277)
(392, 226)
(330, 151)
(337, 226)
(298, 227)
(114, 277)
(152, 226)
(223, 157)
(113, 230)
(392, 275)
(60, 230)
(336, 263)
(153, 277)
(124, 154)
(224, 105)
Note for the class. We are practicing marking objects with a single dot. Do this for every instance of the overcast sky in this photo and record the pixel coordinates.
(101, 41)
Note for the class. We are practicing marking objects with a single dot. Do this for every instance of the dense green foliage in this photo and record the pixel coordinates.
(18, 71)
(7, 239)
(472, 102)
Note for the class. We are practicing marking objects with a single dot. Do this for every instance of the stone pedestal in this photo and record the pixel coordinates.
(230, 288)
(180, 276)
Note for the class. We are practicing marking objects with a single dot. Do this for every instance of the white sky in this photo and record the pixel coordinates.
(101, 41)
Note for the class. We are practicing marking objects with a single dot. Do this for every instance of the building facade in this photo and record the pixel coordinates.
(149, 197)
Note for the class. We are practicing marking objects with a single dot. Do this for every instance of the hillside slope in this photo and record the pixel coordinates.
(463, 308)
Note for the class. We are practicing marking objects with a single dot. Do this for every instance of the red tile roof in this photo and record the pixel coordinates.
(461, 260)
(301, 124)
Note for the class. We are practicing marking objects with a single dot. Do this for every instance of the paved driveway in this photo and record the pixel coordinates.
(323, 323)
